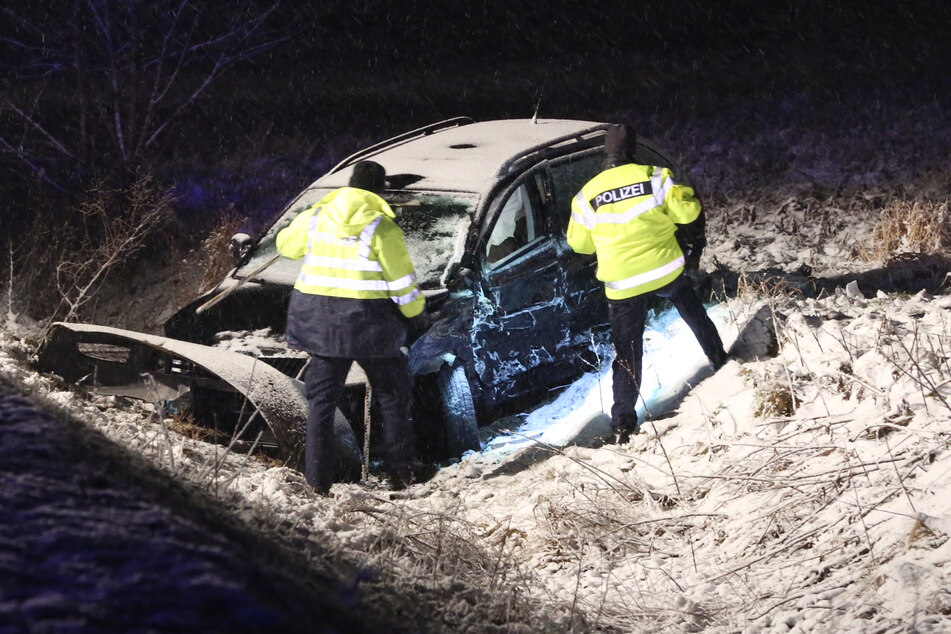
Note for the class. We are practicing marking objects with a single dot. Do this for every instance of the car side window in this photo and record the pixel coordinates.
(517, 225)
(569, 176)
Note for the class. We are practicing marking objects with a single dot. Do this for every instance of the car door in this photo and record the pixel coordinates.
(520, 317)
(585, 302)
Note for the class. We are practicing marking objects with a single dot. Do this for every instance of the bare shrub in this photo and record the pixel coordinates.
(772, 289)
(184, 276)
(775, 400)
(108, 239)
(104, 83)
(68, 255)
(908, 227)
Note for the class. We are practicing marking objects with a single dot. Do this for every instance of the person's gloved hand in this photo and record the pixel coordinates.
(692, 238)
(692, 258)
(418, 326)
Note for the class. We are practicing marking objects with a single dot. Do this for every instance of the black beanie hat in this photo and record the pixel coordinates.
(369, 176)
(620, 141)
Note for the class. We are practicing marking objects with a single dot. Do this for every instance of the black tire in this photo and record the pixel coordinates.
(460, 423)
(348, 456)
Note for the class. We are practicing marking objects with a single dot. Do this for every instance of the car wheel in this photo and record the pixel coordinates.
(461, 426)
(348, 456)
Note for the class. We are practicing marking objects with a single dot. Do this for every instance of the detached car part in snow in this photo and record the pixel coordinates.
(484, 208)
(247, 399)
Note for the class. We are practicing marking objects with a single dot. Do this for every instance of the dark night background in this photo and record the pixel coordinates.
(690, 73)
(339, 75)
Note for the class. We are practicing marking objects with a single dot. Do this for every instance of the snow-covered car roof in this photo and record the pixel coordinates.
(463, 156)
(453, 164)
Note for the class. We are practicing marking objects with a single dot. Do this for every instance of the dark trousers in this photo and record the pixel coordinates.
(627, 332)
(324, 382)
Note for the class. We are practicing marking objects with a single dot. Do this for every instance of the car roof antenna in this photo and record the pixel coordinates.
(538, 105)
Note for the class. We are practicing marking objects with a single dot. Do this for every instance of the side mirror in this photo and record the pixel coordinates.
(240, 247)
(463, 278)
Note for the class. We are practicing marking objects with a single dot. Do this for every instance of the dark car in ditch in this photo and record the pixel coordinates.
(484, 207)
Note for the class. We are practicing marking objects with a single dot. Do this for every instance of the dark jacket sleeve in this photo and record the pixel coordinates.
(692, 238)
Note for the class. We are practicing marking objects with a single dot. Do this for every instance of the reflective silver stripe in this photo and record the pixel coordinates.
(590, 219)
(640, 208)
(402, 300)
(581, 220)
(586, 216)
(660, 187)
(404, 282)
(342, 263)
(361, 263)
(358, 285)
(366, 235)
(649, 276)
(343, 282)
(329, 238)
(312, 232)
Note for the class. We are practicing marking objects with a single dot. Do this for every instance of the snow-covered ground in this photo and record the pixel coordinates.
(799, 492)
(747, 509)
(93, 540)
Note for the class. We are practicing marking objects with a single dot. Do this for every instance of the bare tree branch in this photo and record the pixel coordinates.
(35, 169)
(80, 275)
(135, 69)
(39, 128)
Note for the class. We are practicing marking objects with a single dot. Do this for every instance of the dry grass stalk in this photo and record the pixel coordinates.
(773, 290)
(908, 227)
(918, 360)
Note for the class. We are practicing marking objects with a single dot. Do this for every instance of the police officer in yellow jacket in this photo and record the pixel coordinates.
(629, 215)
(354, 300)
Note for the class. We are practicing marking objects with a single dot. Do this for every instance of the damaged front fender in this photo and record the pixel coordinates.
(159, 369)
(447, 339)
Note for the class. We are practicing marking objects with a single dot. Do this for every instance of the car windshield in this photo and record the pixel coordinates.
(435, 226)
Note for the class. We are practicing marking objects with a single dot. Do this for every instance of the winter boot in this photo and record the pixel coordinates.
(626, 427)
(719, 359)
(400, 478)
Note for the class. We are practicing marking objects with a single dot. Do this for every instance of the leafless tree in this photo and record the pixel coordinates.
(90, 91)
(92, 86)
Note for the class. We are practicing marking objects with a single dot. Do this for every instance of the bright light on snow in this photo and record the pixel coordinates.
(673, 362)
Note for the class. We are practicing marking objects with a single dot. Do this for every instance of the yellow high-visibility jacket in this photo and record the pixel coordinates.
(352, 247)
(628, 215)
